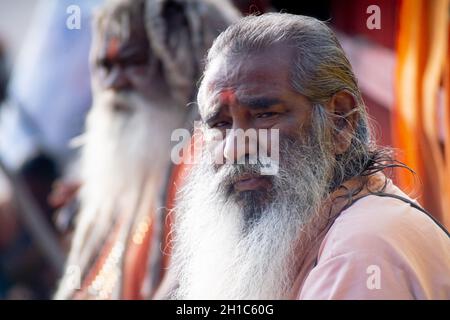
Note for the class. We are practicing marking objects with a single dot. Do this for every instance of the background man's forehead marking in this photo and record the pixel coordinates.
(112, 47)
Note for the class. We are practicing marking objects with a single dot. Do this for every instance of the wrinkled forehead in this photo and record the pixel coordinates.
(245, 74)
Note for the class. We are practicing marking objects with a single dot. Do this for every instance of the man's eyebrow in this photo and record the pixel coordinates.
(259, 102)
(211, 116)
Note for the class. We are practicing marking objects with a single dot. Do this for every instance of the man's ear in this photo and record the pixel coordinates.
(343, 107)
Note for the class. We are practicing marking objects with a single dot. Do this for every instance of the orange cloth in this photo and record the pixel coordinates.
(139, 246)
(422, 57)
(138, 250)
(136, 262)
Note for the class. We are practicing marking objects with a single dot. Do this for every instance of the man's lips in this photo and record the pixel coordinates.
(251, 182)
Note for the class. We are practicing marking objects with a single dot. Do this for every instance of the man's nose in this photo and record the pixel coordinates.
(240, 144)
(117, 79)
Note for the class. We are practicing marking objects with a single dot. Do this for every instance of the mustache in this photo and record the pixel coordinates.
(121, 102)
(228, 174)
(255, 165)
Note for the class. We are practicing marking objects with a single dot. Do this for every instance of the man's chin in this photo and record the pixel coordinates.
(252, 203)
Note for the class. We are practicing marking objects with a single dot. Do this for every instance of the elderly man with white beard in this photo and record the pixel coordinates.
(329, 224)
(146, 58)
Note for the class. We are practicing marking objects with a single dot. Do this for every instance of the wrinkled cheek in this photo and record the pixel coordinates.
(140, 78)
(213, 150)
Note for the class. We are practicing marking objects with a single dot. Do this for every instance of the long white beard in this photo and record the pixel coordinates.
(217, 256)
(123, 164)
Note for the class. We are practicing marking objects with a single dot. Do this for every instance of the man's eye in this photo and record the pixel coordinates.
(105, 64)
(266, 115)
(220, 124)
(136, 61)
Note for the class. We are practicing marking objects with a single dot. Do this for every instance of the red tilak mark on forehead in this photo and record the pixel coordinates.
(227, 96)
(112, 48)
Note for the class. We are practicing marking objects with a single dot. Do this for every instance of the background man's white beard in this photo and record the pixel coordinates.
(124, 157)
(217, 257)
(123, 147)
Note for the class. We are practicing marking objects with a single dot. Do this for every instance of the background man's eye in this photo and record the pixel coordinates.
(104, 64)
(137, 61)
(266, 115)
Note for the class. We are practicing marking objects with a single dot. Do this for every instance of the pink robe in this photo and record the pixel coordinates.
(378, 248)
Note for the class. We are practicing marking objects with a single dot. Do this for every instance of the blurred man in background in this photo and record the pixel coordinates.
(146, 58)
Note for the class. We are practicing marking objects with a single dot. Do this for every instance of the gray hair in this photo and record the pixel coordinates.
(320, 69)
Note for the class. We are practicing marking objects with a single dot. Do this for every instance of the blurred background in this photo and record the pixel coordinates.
(399, 51)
